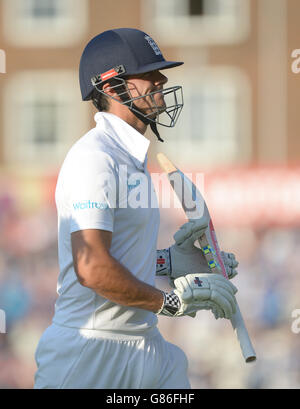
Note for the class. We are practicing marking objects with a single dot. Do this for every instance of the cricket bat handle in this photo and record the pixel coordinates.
(237, 321)
(242, 335)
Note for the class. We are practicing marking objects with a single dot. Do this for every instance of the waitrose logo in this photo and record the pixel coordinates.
(88, 204)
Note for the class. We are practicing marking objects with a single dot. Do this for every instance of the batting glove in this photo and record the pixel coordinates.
(195, 292)
(184, 257)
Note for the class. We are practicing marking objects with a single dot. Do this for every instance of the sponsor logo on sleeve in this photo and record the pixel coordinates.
(89, 204)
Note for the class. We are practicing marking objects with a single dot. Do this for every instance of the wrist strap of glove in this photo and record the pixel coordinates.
(171, 305)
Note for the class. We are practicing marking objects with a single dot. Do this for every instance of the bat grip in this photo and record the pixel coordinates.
(237, 321)
(242, 335)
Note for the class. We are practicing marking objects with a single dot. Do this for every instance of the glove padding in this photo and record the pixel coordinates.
(185, 257)
(206, 291)
(183, 261)
(188, 233)
(230, 263)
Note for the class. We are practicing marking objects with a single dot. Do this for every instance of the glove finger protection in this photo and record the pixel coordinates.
(197, 291)
(229, 259)
(222, 293)
(189, 232)
(228, 295)
(210, 305)
(225, 300)
(233, 261)
(230, 263)
(221, 297)
(217, 312)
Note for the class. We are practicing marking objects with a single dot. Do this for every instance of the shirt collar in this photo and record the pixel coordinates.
(125, 136)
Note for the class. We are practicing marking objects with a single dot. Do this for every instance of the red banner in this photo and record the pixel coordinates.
(254, 197)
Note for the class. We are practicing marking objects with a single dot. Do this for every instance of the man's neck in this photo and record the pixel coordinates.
(124, 113)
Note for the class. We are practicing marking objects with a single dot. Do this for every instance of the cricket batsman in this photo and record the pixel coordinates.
(104, 331)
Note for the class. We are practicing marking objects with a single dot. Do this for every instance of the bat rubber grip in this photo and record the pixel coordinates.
(239, 327)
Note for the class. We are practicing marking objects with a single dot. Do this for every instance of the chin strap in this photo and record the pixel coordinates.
(153, 127)
(146, 121)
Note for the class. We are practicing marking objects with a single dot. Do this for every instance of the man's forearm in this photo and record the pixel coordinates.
(113, 281)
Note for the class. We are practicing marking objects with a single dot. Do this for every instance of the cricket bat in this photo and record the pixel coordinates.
(195, 207)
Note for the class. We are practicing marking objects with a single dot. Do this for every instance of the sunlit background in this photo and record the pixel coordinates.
(239, 126)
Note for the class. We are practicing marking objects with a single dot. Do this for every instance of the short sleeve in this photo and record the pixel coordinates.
(92, 187)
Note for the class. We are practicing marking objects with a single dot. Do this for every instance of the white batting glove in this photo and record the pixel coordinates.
(184, 257)
(230, 263)
(188, 233)
(206, 291)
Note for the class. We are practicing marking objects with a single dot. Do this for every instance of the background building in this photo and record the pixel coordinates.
(239, 127)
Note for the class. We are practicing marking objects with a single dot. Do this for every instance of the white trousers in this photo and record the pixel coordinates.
(69, 358)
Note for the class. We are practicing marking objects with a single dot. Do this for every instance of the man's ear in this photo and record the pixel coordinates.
(113, 89)
(107, 88)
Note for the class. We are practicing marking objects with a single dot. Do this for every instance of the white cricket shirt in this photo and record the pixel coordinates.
(104, 184)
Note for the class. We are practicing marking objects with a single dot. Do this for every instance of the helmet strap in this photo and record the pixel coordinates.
(153, 127)
(146, 121)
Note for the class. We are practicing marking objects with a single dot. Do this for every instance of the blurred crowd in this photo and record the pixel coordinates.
(28, 273)
(268, 282)
(268, 292)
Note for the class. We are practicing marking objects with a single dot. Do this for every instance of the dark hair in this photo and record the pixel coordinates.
(100, 100)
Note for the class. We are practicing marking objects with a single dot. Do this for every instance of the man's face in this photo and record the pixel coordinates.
(143, 84)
